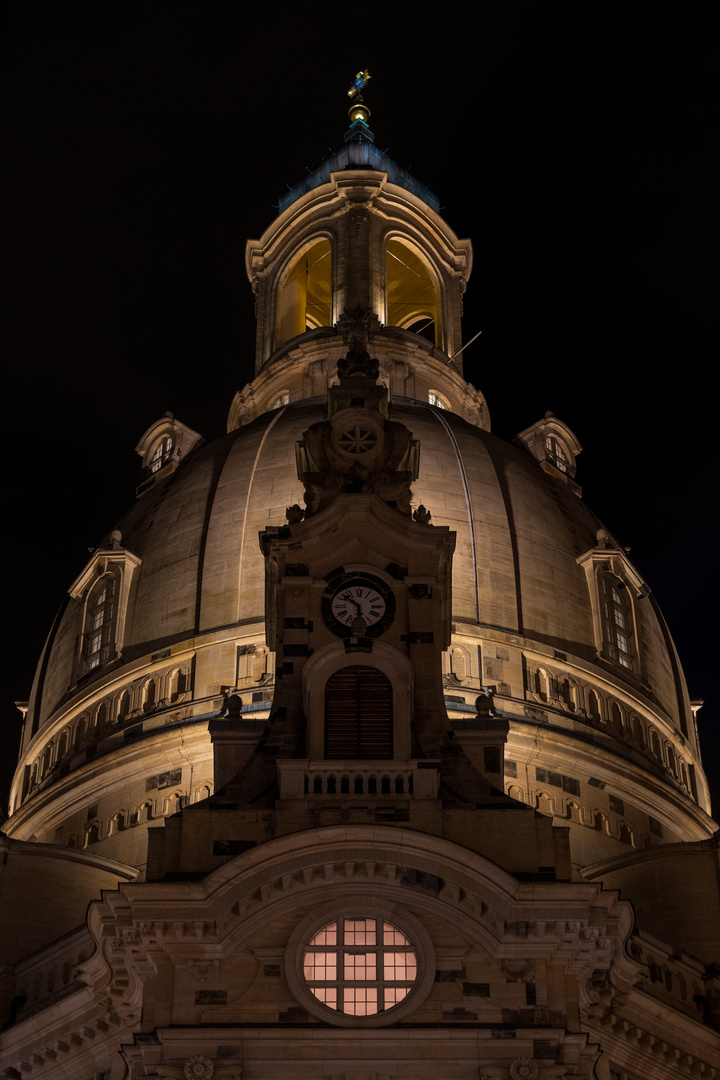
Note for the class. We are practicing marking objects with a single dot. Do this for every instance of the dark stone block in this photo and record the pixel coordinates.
(448, 976)
(211, 997)
(232, 847)
(418, 879)
(294, 1015)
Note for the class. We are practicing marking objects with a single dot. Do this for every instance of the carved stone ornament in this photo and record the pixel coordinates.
(294, 514)
(199, 1068)
(523, 1069)
(356, 327)
(358, 362)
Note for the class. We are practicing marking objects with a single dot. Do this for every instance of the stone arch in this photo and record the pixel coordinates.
(93, 833)
(145, 812)
(173, 803)
(149, 695)
(544, 803)
(389, 662)
(177, 681)
(569, 693)
(638, 731)
(47, 759)
(625, 833)
(64, 743)
(124, 705)
(80, 732)
(303, 292)
(542, 683)
(616, 718)
(593, 705)
(413, 290)
(459, 662)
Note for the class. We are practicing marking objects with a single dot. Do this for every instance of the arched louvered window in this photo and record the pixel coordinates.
(358, 714)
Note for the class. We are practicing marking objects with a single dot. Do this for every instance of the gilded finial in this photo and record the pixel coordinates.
(359, 110)
(361, 79)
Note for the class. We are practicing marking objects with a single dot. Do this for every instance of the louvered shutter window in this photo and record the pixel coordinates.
(358, 714)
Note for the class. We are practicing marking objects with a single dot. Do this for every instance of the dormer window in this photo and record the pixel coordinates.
(557, 454)
(435, 399)
(615, 589)
(554, 447)
(161, 454)
(163, 447)
(280, 400)
(618, 621)
(103, 590)
(101, 609)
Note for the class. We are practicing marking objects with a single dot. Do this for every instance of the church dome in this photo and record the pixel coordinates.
(166, 622)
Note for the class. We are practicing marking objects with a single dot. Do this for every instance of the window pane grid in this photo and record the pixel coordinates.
(350, 965)
(617, 624)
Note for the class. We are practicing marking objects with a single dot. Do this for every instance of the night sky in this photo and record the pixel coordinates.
(576, 145)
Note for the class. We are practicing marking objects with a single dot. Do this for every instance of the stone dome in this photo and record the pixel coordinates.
(549, 615)
(586, 734)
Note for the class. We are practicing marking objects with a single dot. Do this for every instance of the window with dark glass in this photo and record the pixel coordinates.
(161, 454)
(618, 625)
(556, 453)
(101, 623)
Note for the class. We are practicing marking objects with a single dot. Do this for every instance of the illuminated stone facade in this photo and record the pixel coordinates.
(368, 799)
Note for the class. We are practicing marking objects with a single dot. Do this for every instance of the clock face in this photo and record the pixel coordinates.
(355, 598)
(355, 595)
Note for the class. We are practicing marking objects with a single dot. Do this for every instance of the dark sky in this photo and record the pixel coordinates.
(575, 144)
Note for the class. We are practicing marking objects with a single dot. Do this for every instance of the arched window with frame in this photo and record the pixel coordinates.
(161, 454)
(279, 400)
(101, 614)
(304, 294)
(411, 291)
(437, 400)
(557, 454)
(617, 620)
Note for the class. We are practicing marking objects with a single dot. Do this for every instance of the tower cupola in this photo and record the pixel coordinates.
(359, 232)
(358, 236)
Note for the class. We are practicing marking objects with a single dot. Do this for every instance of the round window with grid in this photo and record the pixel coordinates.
(369, 965)
(360, 966)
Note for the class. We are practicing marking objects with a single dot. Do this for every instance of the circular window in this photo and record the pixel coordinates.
(360, 966)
